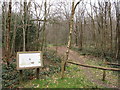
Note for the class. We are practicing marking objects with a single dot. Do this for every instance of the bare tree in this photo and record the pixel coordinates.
(14, 36)
(111, 30)
(117, 7)
(8, 32)
(4, 26)
(24, 25)
(44, 27)
(38, 25)
(70, 36)
(76, 31)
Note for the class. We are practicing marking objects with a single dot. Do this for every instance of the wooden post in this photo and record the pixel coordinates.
(104, 75)
(37, 73)
(21, 77)
(118, 79)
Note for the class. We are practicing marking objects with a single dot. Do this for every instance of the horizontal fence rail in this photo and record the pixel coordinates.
(97, 67)
(108, 63)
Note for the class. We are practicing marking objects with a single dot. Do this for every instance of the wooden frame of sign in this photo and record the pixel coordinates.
(31, 59)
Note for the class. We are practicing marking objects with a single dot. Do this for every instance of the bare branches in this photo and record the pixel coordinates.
(77, 4)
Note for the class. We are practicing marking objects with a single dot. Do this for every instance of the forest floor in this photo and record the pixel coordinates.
(75, 76)
(93, 75)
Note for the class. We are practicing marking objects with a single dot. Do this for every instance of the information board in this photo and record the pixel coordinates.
(27, 60)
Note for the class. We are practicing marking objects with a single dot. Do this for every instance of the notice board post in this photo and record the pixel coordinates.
(37, 73)
(21, 76)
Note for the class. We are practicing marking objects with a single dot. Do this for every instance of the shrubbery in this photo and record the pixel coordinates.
(10, 75)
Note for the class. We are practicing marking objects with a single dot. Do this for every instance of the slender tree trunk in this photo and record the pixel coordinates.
(3, 27)
(38, 28)
(8, 32)
(81, 36)
(93, 25)
(14, 36)
(111, 34)
(105, 32)
(102, 31)
(117, 6)
(24, 26)
(98, 40)
(76, 32)
(44, 28)
(28, 22)
(69, 38)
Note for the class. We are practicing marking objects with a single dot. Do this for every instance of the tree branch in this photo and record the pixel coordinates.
(77, 4)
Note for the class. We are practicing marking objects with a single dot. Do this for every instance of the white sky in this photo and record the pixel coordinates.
(56, 1)
(59, 0)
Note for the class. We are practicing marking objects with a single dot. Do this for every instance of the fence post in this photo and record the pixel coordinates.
(104, 75)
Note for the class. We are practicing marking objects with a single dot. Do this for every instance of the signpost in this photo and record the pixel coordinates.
(29, 60)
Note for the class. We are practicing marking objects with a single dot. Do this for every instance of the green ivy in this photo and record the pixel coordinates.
(10, 76)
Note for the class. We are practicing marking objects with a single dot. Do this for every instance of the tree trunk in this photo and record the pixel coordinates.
(44, 28)
(105, 28)
(3, 27)
(24, 25)
(69, 38)
(93, 26)
(81, 36)
(117, 6)
(14, 36)
(8, 33)
(111, 33)
(102, 28)
(76, 31)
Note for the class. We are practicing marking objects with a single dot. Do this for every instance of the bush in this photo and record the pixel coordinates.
(10, 75)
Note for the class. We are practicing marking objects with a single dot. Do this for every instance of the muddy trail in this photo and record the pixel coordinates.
(92, 75)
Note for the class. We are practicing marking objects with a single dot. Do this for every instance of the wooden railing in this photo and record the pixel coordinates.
(115, 64)
(96, 67)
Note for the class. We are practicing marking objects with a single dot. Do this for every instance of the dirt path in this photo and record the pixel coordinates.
(89, 73)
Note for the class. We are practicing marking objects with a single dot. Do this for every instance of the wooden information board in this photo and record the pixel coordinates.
(27, 60)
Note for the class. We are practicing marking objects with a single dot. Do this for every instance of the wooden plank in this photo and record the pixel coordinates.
(96, 67)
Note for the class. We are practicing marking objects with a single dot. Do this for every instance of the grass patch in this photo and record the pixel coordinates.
(73, 79)
(93, 58)
(50, 45)
(109, 57)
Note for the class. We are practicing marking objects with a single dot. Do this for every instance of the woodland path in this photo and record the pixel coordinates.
(92, 75)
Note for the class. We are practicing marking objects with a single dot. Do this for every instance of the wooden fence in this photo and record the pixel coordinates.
(96, 67)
